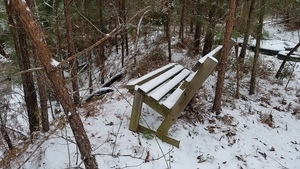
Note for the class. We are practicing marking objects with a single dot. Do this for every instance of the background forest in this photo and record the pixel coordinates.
(64, 65)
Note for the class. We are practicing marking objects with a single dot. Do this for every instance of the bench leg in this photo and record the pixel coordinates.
(136, 111)
(168, 121)
(166, 125)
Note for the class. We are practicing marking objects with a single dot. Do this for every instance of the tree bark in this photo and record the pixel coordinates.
(223, 60)
(42, 90)
(101, 49)
(182, 23)
(198, 32)
(278, 74)
(257, 46)
(167, 27)
(38, 40)
(247, 30)
(4, 131)
(210, 29)
(71, 52)
(22, 53)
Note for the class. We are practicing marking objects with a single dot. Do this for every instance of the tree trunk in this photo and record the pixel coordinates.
(198, 32)
(22, 53)
(223, 60)
(2, 51)
(101, 47)
(86, 42)
(121, 19)
(71, 52)
(38, 40)
(278, 74)
(28, 82)
(42, 90)
(247, 30)
(182, 23)
(4, 132)
(257, 46)
(167, 28)
(208, 40)
(210, 30)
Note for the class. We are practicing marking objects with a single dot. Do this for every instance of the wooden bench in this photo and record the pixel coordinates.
(168, 90)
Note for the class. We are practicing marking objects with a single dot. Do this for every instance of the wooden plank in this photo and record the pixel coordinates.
(149, 76)
(171, 100)
(156, 105)
(201, 75)
(162, 91)
(164, 138)
(212, 53)
(136, 111)
(150, 85)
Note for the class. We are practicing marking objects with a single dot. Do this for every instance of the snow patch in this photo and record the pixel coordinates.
(54, 63)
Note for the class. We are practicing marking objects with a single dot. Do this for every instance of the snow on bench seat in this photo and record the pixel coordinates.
(171, 100)
(148, 86)
(151, 74)
(158, 94)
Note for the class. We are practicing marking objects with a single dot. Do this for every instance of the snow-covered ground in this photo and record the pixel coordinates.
(257, 131)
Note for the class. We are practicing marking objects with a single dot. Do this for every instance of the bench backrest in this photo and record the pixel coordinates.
(183, 94)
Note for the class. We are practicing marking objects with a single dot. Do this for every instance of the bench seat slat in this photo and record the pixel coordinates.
(148, 86)
(162, 91)
(171, 100)
(150, 74)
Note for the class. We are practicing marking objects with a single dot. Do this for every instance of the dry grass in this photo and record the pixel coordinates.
(154, 60)
(267, 119)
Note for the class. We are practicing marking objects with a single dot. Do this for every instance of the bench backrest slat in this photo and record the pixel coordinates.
(212, 53)
(182, 96)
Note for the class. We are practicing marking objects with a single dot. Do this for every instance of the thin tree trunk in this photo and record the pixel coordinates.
(5, 133)
(86, 42)
(223, 60)
(2, 51)
(167, 28)
(71, 52)
(278, 74)
(257, 46)
(125, 35)
(182, 23)
(101, 47)
(38, 40)
(42, 90)
(247, 30)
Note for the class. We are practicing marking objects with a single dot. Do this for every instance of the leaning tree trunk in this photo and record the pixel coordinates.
(71, 52)
(257, 46)
(38, 40)
(223, 60)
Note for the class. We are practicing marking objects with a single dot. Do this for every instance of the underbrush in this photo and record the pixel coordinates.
(153, 60)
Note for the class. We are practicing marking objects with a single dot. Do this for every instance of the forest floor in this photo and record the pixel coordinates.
(255, 131)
